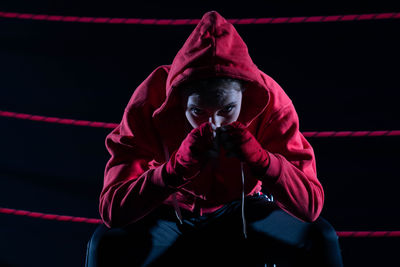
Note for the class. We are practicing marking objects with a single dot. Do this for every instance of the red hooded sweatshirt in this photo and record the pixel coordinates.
(154, 125)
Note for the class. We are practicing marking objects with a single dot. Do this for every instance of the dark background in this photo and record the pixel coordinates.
(340, 76)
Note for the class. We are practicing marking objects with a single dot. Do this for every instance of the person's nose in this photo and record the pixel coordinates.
(216, 120)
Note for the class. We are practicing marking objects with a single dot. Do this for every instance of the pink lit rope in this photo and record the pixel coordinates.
(279, 20)
(113, 125)
(64, 218)
(53, 217)
(368, 233)
(351, 134)
(57, 120)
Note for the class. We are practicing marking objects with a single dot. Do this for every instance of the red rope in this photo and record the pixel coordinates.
(64, 218)
(113, 125)
(334, 18)
(57, 120)
(351, 133)
(49, 216)
(368, 233)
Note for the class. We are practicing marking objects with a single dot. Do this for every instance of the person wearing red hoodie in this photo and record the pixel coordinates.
(208, 165)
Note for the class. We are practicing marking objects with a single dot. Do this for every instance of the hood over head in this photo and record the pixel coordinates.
(215, 49)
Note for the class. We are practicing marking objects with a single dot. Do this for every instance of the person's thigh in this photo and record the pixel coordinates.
(276, 236)
(159, 240)
(137, 244)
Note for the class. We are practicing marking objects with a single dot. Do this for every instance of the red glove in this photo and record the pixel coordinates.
(192, 154)
(239, 142)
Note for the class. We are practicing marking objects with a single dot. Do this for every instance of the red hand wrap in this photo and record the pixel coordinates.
(187, 161)
(239, 142)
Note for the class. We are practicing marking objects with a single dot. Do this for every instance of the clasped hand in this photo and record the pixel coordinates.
(205, 142)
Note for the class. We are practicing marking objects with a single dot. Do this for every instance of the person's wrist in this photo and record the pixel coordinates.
(260, 168)
(170, 177)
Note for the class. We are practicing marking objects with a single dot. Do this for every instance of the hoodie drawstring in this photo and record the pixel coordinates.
(243, 215)
(176, 208)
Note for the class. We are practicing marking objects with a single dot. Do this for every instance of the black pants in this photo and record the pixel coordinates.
(217, 239)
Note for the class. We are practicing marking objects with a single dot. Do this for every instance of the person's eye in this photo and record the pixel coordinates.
(228, 109)
(196, 111)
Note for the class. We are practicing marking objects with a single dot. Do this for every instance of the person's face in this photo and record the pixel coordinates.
(221, 106)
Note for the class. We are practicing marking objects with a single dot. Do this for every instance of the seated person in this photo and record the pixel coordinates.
(208, 166)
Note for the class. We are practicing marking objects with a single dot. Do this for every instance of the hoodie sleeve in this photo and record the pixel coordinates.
(291, 177)
(133, 185)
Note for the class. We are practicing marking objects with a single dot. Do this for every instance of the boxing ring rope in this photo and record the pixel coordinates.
(65, 218)
(57, 120)
(54, 217)
(97, 124)
(279, 20)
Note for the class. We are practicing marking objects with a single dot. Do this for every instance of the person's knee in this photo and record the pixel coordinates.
(323, 231)
(325, 249)
(108, 240)
(104, 236)
(100, 242)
